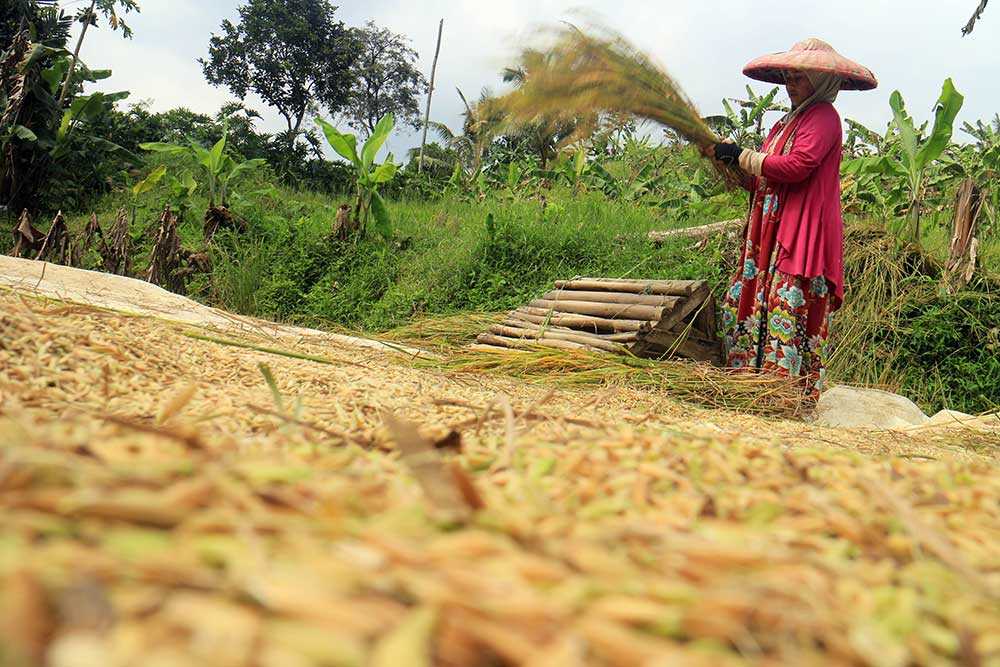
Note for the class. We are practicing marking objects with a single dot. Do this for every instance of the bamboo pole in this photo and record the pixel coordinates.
(76, 53)
(520, 344)
(690, 305)
(659, 300)
(607, 310)
(662, 287)
(539, 324)
(430, 94)
(589, 323)
(548, 334)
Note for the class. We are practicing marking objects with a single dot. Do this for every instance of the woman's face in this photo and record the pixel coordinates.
(799, 87)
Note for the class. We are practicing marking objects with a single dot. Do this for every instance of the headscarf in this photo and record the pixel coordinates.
(827, 86)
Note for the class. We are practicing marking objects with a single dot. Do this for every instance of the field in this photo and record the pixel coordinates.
(196, 503)
(243, 420)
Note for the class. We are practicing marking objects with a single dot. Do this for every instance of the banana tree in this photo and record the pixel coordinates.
(220, 172)
(917, 153)
(219, 169)
(369, 206)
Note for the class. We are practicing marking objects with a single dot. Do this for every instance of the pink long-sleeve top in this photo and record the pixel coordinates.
(807, 182)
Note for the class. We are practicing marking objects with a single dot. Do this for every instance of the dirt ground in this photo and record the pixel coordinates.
(170, 495)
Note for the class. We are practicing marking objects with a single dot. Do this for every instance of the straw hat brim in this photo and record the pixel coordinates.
(771, 68)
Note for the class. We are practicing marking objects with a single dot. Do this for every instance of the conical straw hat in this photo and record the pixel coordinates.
(811, 55)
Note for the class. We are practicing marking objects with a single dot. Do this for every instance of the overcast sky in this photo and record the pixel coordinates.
(911, 45)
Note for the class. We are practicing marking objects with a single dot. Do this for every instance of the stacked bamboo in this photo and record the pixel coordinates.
(645, 318)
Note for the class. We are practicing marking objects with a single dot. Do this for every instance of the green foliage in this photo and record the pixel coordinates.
(291, 53)
(949, 351)
(217, 168)
(913, 154)
(369, 208)
(746, 126)
(53, 157)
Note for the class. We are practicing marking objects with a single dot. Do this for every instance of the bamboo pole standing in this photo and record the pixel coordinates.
(430, 94)
(76, 53)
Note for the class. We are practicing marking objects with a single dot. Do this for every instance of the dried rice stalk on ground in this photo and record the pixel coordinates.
(145, 521)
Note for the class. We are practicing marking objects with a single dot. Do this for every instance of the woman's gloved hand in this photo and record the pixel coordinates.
(728, 153)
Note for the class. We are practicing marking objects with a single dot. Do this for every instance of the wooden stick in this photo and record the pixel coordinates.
(548, 334)
(664, 287)
(588, 323)
(697, 232)
(659, 300)
(430, 94)
(611, 311)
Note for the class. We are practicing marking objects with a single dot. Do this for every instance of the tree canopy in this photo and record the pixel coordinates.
(292, 53)
(386, 80)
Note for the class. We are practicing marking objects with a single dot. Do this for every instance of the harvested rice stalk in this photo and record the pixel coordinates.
(583, 72)
(746, 392)
(56, 246)
(28, 239)
(164, 261)
(118, 258)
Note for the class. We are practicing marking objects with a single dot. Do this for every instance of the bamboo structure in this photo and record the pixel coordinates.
(653, 319)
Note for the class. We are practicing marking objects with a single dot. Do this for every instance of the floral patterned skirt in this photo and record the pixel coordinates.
(779, 323)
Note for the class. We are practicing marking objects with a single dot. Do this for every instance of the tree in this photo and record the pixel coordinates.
(547, 133)
(292, 53)
(88, 17)
(971, 25)
(481, 124)
(386, 80)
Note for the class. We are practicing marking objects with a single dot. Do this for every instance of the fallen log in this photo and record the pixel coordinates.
(609, 310)
(701, 232)
(658, 300)
(662, 287)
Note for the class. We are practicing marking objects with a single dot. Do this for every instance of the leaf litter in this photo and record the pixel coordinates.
(158, 507)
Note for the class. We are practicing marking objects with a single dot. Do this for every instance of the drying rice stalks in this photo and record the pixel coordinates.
(150, 515)
(581, 73)
(56, 247)
(28, 239)
(119, 257)
(699, 383)
(441, 333)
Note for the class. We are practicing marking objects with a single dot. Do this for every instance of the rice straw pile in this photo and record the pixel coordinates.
(581, 73)
(164, 501)
(701, 384)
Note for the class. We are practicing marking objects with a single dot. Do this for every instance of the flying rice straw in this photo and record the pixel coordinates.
(582, 73)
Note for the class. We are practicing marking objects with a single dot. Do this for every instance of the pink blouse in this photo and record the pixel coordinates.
(807, 181)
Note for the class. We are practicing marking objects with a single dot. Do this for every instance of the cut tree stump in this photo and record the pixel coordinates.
(654, 319)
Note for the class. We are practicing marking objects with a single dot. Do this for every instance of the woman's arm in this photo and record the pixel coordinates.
(817, 134)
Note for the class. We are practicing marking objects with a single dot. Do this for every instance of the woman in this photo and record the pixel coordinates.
(776, 315)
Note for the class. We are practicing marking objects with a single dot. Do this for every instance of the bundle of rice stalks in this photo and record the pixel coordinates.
(582, 73)
(882, 280)
(705, 385)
